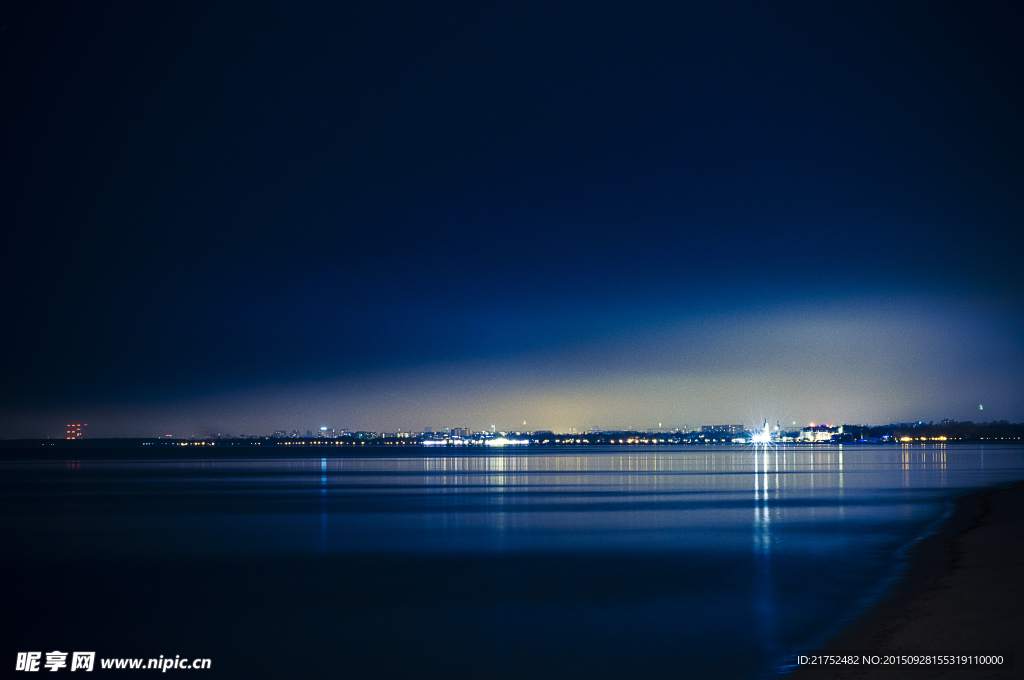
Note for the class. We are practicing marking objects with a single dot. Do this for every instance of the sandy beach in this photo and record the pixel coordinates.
(964, 591)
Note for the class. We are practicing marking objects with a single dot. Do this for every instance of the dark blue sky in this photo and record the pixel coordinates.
(235, 217)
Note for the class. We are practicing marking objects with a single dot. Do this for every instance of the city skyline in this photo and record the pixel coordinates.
(81, 431)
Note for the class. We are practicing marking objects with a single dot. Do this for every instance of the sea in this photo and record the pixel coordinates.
(628, 561)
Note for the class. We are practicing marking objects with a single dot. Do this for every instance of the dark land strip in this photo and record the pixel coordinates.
(963, 591)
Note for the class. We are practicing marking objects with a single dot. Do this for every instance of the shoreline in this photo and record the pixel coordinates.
(963, 590)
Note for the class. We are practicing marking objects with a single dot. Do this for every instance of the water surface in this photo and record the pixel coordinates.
(661, 562)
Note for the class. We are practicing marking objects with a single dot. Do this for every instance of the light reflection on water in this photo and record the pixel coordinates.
(596, 499)
(763, 590)
(788, 540)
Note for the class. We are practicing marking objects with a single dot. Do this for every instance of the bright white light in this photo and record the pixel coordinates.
(501, 441)
(763, 436)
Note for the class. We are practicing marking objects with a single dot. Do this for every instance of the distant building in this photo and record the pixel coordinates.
(460, 432)
(726, 429)
(75, 431)
(819, 433)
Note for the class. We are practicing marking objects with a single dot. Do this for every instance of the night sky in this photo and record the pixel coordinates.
(244, 217)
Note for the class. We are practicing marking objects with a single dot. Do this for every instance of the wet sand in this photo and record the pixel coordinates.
(964, 591)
